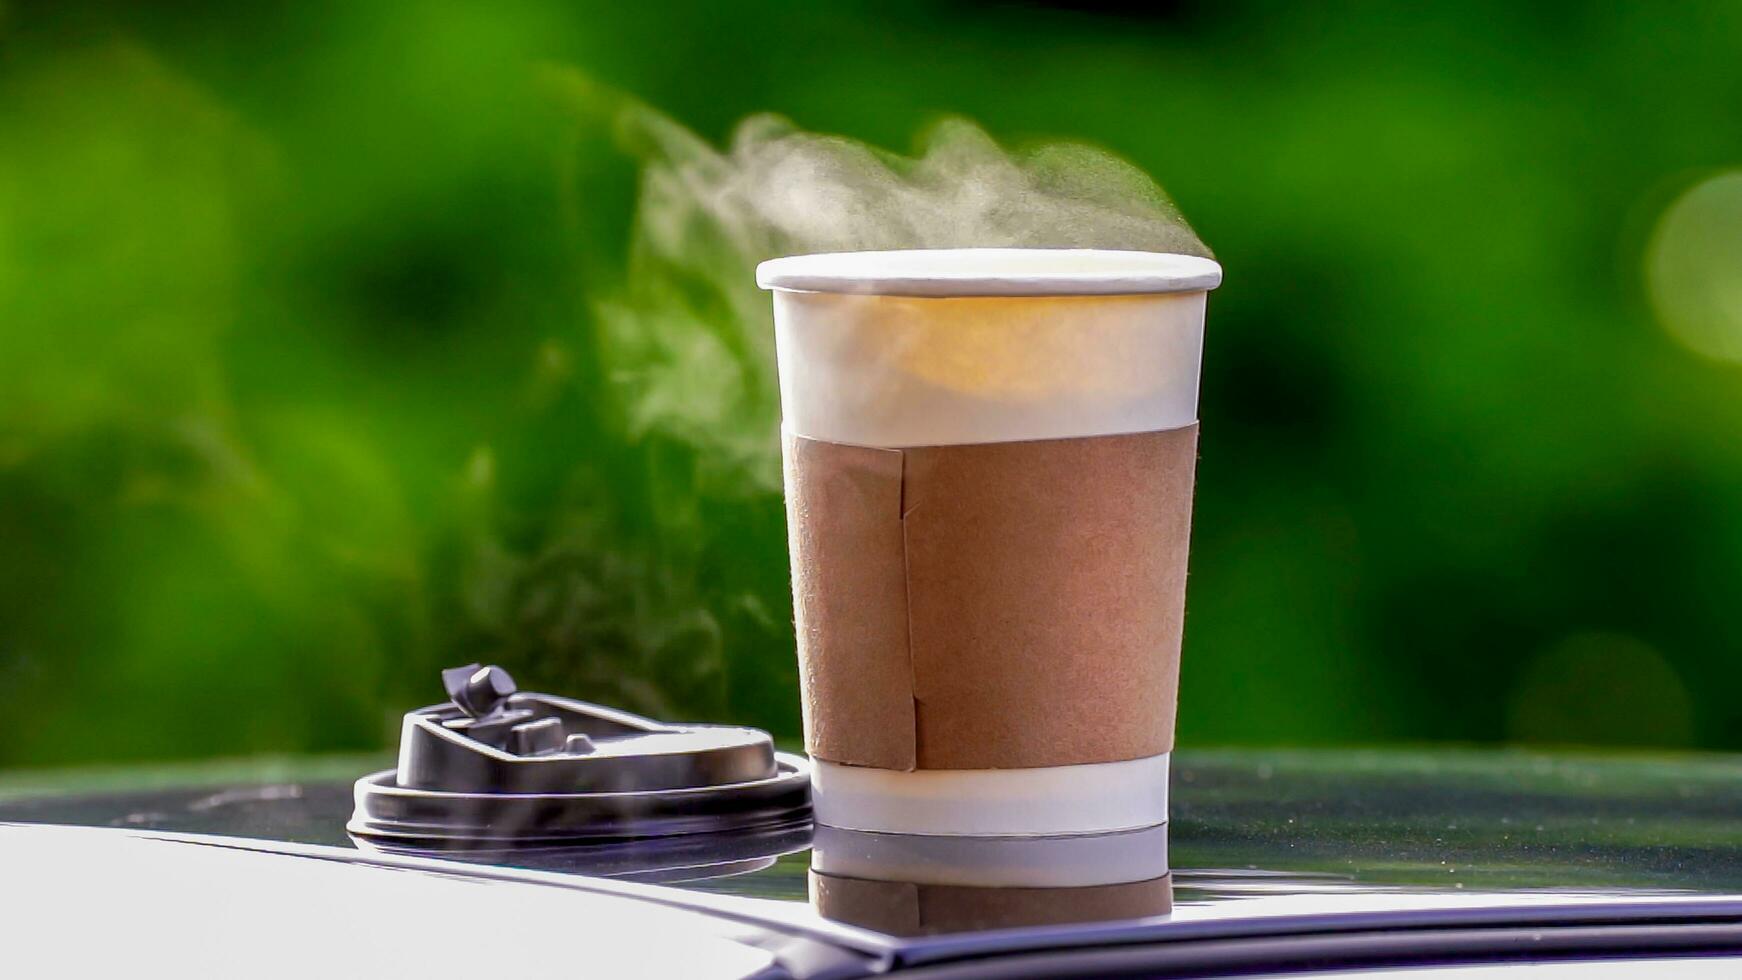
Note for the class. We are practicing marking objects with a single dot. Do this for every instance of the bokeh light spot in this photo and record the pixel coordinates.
(1693, 267)
(1600, 689)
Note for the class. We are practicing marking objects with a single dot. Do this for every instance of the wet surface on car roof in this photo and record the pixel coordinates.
(1245, 825)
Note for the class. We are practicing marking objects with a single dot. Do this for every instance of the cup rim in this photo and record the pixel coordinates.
(991, 272)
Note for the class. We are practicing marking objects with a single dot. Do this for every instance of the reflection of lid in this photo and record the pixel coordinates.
(684, 857)
(992, 272)
(498, 768)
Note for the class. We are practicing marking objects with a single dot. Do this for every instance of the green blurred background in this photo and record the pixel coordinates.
(332, 352)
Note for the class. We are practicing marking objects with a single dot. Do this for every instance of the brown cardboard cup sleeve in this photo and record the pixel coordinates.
(1006, 605)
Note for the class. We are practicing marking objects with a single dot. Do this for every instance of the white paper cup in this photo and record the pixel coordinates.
(905, 349)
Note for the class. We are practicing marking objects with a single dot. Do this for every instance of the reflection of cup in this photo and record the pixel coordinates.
(912, 885)
(989, 458)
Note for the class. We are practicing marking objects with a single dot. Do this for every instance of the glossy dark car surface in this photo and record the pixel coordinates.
(1280, 862)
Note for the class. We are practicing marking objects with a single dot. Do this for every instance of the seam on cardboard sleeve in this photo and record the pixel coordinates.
(907, 595)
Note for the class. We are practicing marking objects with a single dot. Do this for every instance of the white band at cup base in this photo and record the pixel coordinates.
(1093, 798)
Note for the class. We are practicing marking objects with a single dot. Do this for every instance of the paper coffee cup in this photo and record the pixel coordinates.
(989, 459)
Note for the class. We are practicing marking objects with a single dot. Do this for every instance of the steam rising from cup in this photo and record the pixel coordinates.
(687, 334)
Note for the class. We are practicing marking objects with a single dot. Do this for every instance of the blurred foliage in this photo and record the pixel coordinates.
(332, 351)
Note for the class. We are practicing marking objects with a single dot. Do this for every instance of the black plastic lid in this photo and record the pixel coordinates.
(499, 768)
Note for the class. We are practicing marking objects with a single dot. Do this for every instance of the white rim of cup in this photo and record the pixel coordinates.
(946, 272)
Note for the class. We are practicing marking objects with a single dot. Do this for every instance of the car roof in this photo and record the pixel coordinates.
(1261, 844)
